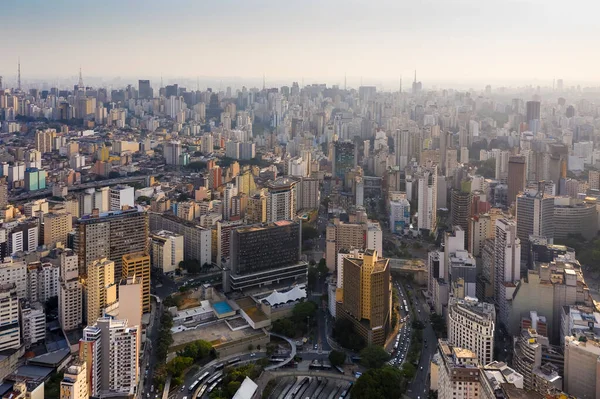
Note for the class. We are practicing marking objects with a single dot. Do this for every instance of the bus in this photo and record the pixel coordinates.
(405, 304)
(214, 378)
(341, 370)
(274, 359)
(202, 390)
(198, 381)
(214, 385)
(356, 359)
(234, 361)
(219, 366)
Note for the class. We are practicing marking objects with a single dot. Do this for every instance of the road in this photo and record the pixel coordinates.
(149, 357)
(419, 387)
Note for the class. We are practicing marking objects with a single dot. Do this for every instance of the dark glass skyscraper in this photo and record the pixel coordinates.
(344, 158)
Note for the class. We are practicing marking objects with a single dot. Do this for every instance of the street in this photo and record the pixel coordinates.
(419, 387)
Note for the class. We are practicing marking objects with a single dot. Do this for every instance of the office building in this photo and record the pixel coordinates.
(35, 179)
(138, 264)
(145, 91)
(533, 109)
(458, 373)
(111, 235)
(24, 237)
(42, 281)
(471, 326)
(44, 140)
(282, 199)
(223, 239)
(166, 250)
(70, 292)
(367, 296)
(399, 215)
(460, 208)
(174, 155)
(74, 383)
(121, 196)
(535, 217)
(266, 254)
(594, 179)
(344, 158)
(100, 288)
(57, 227)
(516, 177)
(9, 317)
(572, 217)
(361, 233)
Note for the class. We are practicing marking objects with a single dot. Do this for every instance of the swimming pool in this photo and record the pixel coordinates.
(222, 307)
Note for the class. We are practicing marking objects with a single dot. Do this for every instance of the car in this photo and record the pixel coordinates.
(182, 388)
(316, 346)
(252, 354)
(421, 368)
(147, 395)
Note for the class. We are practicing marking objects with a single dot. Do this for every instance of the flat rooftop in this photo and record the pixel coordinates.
(216, 333)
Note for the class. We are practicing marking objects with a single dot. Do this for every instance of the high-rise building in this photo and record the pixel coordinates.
(166, 250)
(196, 239)
(572, 217)
(100, 288)
(110, 352)
(174, 154)
(538, 362)
(533, 110)
(535, 217)
(138, 265)
(427, 200)
(33, 324)
(500, 381)
(507, 264)
(367, 296)
(582, 365)
(121, 196)
(74, 383)
(15, 272)
(471, 325)
(516, 177)
(460, 208)
(401, 147)
(44, 140)
(145, 91)
(360, 234)
(344, 158)
(90, 352)
(262, 254)
(594, 179)
(111, 235)
(399, 215)
(70, 292)
(458, 373)
(282, 199)
(57, 227)
(9, 317)
(309, 195)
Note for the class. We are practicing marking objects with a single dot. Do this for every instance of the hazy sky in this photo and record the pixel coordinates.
(463, 41)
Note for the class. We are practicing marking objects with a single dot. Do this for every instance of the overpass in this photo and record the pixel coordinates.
(413, 267)
(102, 183)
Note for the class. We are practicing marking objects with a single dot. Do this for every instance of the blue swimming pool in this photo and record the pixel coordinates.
(222, 307)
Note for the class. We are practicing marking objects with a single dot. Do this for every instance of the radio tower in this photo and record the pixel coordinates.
(0, 82)
(19, 74)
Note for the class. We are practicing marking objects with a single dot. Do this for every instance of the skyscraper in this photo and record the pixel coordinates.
(344, 158)
(516, 177)
(367, 298)
(145, 90)
(535, 217)
(460, 207)
(507, 264)
(70, 304)
(9, 317)
(111, 235)
(427, 200)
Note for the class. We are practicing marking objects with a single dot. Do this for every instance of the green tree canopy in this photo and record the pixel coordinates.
(337, 358)
(373, 356)
(381, 383)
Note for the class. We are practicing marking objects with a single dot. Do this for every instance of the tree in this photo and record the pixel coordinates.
(177, 365)
(438, 324)
(382, 383)
(113, 175)
(250, 347)
(322, 268)
(409, 371)
(337, 358)
(303, 310)
(373, 357)
(312, 277)
(309, 232)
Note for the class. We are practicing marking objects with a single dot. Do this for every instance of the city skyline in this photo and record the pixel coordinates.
(377, 43)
